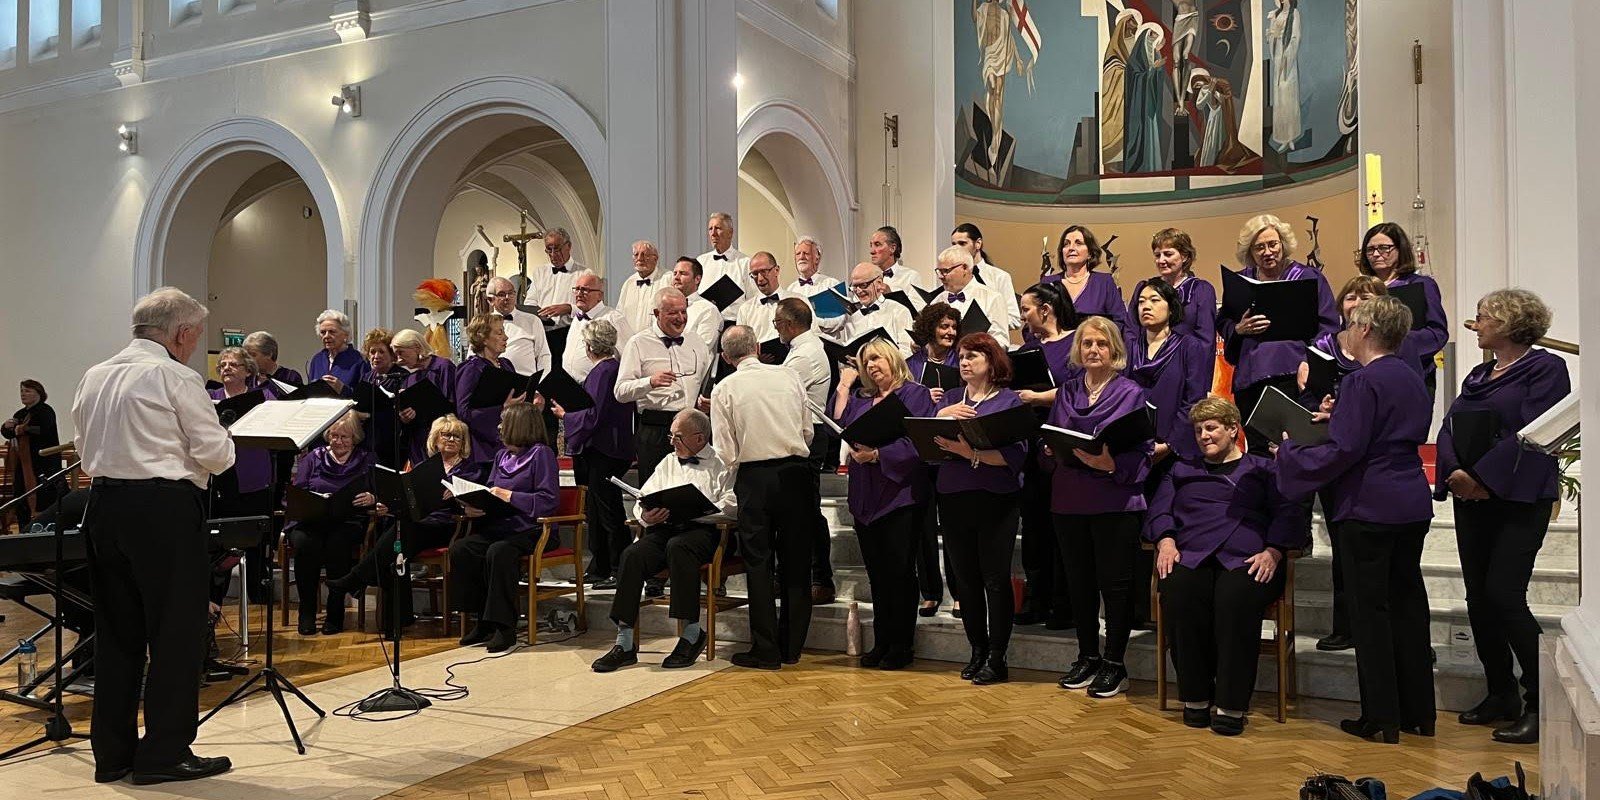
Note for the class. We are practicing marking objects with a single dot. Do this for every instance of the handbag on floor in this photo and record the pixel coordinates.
(1338, 787)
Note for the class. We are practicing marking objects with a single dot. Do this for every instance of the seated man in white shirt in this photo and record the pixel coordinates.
(681, 547)
(526, 347)
(725, 259)
(588, 305)
(969, 238)
(705, 321)
(961, 292)
(636, 299)
(808, 262)
(866, 282)
(757, 314)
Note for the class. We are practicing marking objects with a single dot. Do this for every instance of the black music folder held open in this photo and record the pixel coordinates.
(773, 351)
(303, 505)
(1119, 436)
(723, 292)
(1322, 373)
(416, 493)
(879, 426)
(313, 389)
(937, 375)
(496, 384)
(1290, 305)
(426, 399)
(563, 389)
(899, 296)
(839, 351)
(478, 496)
(986, 432)
(1276, 414)
(1031, 370)
(231, 409)
(974, 321)
(928, 296)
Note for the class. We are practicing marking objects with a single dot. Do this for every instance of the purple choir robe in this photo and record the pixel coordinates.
(1231, 516)
(467, 470)
(1370, 464)
(1058, 357)
(1075, 490)
(288, 376)
(379, 427)
(252, 466)
(608, 427)
(483, 423)
(1329, 343)
(961, 476)
(919, 360)
(348, 367)
(317, 471)
(1101, 296)
(1178, 377)
(1426, 342)
(899, 478)
(441, 372)
(1531, 385)
(1254, 360)
(533, 478)
(1199, 308)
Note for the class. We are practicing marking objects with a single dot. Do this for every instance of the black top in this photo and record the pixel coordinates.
(1225, 468)
(42, 433)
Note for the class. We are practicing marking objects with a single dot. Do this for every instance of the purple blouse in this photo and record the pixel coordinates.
(1101, 296)
(1178, 377)
(919, 360)
(899, 478)
(482, 423)
(1370, 464)
(1229, 515)
(1530, 386)
(1254, 360)
(288, 376)
(317, 471)
(348, 367)
(467, 470)
(533, 478)
(441, 372)
(1427, 341)
(1076, 490)
(961, 476)
(252, 466)
(1199, 308)
(608, 427)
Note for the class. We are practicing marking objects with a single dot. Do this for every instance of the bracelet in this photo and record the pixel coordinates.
(975, 460)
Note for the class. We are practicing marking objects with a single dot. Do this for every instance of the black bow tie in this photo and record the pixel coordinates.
(643, 281)
(869, 309)
(807, 281)
(769, 299)
(718, 257)
(888, 273)
(689, 460)
(672, 341)
(506, 316)
(556, 270)
(581, 315)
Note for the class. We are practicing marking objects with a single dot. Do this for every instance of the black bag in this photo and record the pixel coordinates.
(1480, 789)
(1338, 787)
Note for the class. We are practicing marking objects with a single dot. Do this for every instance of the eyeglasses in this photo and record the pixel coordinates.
(756, 273)
(676, 437)
(451, 436)
(504, 293)
(864, 284)
(584, 290)
(551, 248)
(1380, 249)
(943, 271)
(1267, 247)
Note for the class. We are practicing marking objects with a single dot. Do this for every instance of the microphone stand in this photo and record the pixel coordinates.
(57, 728)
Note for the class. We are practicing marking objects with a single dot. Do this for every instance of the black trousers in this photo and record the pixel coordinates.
(822, 442)
(980, 536)
(319, 546)
(376, 567)
(1248, 397)
(681, 550)
(1389, 616)
(889, 552)
(147, 559)
(1047, 591)
(485, 569)
(608, 529)
(775, 534)
(1100, 553)
(930, 581)
(1341, 602)
(1214, 624)
(1497, 541)
(650, 432)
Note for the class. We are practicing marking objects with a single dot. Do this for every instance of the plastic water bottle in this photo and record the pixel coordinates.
(27, 663)
(852, 631)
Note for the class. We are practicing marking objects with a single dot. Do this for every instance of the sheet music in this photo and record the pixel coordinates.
(621, 484)
(283, 387)
(459, 486)
(299, 420)
(823, 416)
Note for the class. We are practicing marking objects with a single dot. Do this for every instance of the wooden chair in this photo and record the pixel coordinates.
(286, 551)
(1280, 646)
(438, 586)
(713, 574)
(569, 512)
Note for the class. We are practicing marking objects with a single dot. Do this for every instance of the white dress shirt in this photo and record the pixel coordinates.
(141, 414)
(576, 358)
(706, 322)
(526, 346)
(892, 317)
(637, 301)
(645, 355)
(809, 360)
(711, 476)
(999, 281)
(757, 316)
(987, 299)
(735, 266)
(819, 282)
(759, 413)
(547, 287)
(903, 280)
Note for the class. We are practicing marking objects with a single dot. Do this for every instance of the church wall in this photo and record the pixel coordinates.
(469, 209)
(267, 245)
(762, 227)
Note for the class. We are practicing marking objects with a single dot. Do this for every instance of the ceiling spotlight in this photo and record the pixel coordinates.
(738, 81)
(128, 139)
(349, 100)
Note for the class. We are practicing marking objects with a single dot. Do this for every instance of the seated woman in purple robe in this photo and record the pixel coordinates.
(935, 331)
(486, 336)
(1048, 321)
(1381, 507)
(1174, 254)
(486, 564)
(421, 364)
(889, 492)
(1503, 493)
(1221, 530)
(330, 543)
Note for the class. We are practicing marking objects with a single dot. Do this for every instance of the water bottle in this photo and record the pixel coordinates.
(27, 664)
(852, 631)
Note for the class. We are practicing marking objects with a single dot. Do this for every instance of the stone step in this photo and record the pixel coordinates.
(1313, 614)
(1558, 587)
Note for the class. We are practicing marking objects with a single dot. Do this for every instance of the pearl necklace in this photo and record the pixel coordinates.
(1094, 391)
(1080, 280)
(1502, 368)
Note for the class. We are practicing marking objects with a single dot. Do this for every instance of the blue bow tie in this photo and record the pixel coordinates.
(718, 257)
(555, 269)
(672, 341)
(689, 460)
(807, 282)
(581, 315)
(955, 297)
(769, 299)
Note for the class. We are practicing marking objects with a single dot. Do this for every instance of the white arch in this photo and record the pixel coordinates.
(584, 233)
(452, 112)
(785, 117)
(233, 137)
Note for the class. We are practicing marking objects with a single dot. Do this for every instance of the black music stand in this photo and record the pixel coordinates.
(57, 728)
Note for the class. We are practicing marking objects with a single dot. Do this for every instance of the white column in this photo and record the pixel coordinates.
(127, 61)
(1480, 136)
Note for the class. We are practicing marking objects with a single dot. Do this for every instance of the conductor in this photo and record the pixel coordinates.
(148, 433)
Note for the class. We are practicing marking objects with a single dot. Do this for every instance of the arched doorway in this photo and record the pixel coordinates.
(798, 185)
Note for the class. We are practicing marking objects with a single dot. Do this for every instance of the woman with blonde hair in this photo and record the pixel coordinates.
(486, 336)
(414, 355)
(330, 543)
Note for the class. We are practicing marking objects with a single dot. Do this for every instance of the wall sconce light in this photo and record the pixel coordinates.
(349, 100)
(738, 81)
(128, 139)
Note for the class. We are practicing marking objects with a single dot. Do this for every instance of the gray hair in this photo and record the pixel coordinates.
(666, 293)
(337, 318)
(500, 281)
(723, 216)
(815, 245)
(408, 337)
(566, 238)
(1252, 230)
(954, 255)
(600, 279)
(648, 245)
(265, 342)
(695, 419)
(600, 338)
(738, 342)
(159, 314)
(244, 358)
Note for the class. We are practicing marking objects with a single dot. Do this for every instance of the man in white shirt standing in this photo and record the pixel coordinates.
(808, 262)
(148, 433)
(704, 319)
(681, 547)
(866, 283)
(588, 305)
(810, 361)
(961, 292)
(883, 250)
(757, 314)
(762, 429)
(967, 237)
(550, 288)
(725, 259)
(636, 299)
(661, 370)
(526, 347)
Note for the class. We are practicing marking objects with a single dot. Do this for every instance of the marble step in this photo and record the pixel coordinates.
(1313, 614)
(1550, 586)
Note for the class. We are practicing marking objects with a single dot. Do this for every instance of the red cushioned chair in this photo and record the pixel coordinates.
(569, 512)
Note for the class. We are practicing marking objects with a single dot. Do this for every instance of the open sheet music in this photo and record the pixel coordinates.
(287, 424)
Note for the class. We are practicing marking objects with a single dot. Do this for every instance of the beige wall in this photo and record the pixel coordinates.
(762, 225)
(471, 208)
(267, 272)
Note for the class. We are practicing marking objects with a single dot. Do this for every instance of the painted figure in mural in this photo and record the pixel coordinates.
(1185, 39)
(1283, 42)
(996, 25)
(1143, 106)
(1347, 96)
(1219, 144)
(1112, 71)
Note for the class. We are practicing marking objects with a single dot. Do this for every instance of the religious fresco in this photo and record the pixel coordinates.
(1137, 101)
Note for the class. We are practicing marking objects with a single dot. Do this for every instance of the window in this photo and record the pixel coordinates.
(8, 34)
(44, 29)
(829, 7)
(85, 23)
(184, 11)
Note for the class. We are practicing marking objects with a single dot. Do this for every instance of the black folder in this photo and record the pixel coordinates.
(236, 406)
(774, 351)
(1290, 305)
(683, 503)
(485, 501)
(1415, 299)
(723, 292)
(496, 384)
(1031, 370)
(563, 389)
(316, 388)
(880, 425)
(937, 375)
(898, 296)
(370, 397)
(303, 505)
(416, 493)
(212, 386)
(1473, 434)
(839, 351)
(1322, 373)
(1119, 436)
(986, 432)
(1276, 414)
(929, 296)
(974, 321)
(426, 400)
(720, 369)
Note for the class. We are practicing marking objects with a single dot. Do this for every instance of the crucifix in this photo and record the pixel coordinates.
(520, 241)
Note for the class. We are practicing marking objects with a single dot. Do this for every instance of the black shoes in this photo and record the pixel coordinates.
(749, 661)
(333, 624)
(925, 610)
(1081, 673)
(872, 658)
(654, 588)
(308, 627)
(1197, 717)
(974, 664)
(605, 584)
(1335, 642)
(993, 670)
(1505, 708)
(685, 652)
(898, 658)
(616, 658)
(1111, 681)
(504, 638)
(1225, 725)
(189, 769)
(111, 775)
(348, 584)
(1524, 731)
(479, 634)
(1362, 729)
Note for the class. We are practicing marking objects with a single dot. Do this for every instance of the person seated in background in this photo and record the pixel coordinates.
(330, 543)
(485, 564)
(681, 547)
(1221, 530)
